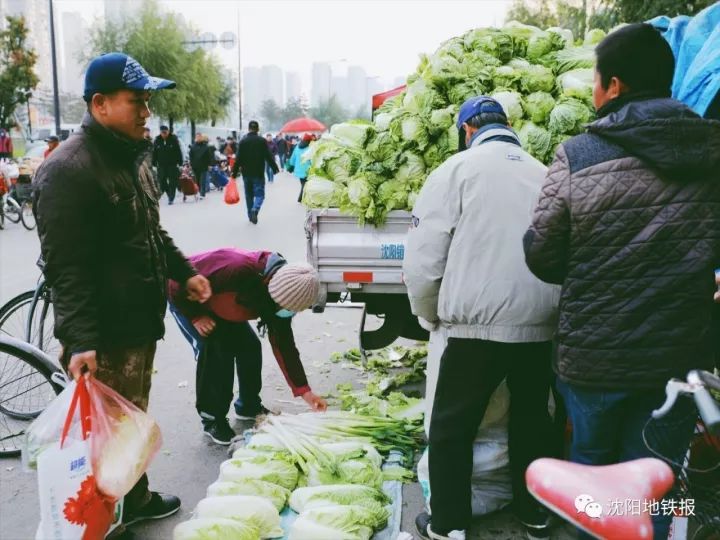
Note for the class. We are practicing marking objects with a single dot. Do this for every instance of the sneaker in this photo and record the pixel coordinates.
(219, 431)
(422, 525)
(160, 506)
(537, 524)
(246, 414)
(170, 203)
(253, 216)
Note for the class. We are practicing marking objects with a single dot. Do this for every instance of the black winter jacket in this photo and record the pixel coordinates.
(629, 223)
(202, 155)
(252, 154)
(167, 152)
(107, 258)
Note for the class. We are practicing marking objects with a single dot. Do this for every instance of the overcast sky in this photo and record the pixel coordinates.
(385, 37)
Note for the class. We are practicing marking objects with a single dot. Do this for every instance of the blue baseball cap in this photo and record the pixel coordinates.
(117, 71)
(477, 105)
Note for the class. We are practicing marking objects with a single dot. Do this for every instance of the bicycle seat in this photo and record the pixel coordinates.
(597, 498)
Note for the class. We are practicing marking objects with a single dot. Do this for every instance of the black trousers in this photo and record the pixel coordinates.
(231, 346)
(168, 180)
(470, 371)
(303, 181)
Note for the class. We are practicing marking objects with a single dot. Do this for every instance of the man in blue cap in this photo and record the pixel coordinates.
(465, 272)
(107, 258)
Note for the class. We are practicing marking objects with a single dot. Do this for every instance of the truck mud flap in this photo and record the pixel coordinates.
(397, 322)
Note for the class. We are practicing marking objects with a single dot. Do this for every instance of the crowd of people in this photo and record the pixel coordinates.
(592, 280)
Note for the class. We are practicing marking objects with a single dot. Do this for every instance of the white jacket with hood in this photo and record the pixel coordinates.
(464, 262)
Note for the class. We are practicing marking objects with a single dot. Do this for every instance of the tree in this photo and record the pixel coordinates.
(271, 114)
(330, 112)
(639, 11)
(17, 74)
(575, 15)
(295, 107)
(155, 39)
(581, 15)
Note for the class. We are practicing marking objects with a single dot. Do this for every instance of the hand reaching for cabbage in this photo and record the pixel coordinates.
(316, 403)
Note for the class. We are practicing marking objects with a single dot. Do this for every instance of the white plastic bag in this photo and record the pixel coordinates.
(491, 486)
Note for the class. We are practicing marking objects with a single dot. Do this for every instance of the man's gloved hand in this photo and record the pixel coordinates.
(430, 326)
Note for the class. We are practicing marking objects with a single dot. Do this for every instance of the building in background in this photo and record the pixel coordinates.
(321, 82)
(356, 88)
(117, 10)
(71, 41)
(293, 86)
(271, 84)
(340, 88)
(252, 92)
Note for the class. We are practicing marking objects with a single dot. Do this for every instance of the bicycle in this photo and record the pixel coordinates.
(575, 491)
(29, 317)
(29, 381)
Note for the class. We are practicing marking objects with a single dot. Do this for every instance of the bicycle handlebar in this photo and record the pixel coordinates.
(707, 406)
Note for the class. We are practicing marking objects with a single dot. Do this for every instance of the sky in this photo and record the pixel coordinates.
(384, 37)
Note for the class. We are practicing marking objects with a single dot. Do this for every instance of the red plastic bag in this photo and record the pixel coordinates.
(124, 440)
(71, 505)
(232, 196)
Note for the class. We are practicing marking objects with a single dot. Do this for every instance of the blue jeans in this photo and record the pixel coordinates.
(254, 193)
(231, 347)
(608, 428)
(269, 172)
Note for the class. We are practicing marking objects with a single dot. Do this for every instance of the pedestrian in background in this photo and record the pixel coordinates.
(298, 166)
(52, 143)
(202, 156)
(463, 274)
(274, 151)
(6, 144)
(107, 257)
(167, 157)
(628, 224)
(251, 160)
(282, 149)
(247, 285)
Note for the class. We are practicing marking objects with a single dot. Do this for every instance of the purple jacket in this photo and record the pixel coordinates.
(240, 293)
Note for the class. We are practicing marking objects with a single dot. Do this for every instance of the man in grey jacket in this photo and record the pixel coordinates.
(628, 223)
(464, 270)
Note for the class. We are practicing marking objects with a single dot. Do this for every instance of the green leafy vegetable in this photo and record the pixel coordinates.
(276, 494)
(255, 511)
(215, 529)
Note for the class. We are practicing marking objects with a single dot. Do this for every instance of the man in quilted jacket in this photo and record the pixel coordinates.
(628, 223)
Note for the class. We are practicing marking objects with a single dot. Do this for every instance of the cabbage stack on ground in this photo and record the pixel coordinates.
(543, 81)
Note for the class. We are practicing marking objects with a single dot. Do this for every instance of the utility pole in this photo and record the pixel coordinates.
(56, 95)
(239, 88)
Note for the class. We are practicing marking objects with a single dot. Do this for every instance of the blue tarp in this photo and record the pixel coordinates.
(696, 45)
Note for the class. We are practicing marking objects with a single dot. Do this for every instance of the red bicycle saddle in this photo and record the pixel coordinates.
(609, 502)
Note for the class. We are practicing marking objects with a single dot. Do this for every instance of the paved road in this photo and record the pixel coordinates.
(187, 463)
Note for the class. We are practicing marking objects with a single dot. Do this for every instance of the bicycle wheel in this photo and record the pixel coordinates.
(14, 317)
(13, 213)
(27, 216)
(30, 383)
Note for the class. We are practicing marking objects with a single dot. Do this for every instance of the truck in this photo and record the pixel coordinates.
(363, 263)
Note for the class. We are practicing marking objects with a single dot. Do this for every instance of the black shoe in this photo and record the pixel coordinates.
(422, 522)
(251, 414)
(219, 431)
(422, 525)
(537, 523)
(253, 216)
(160, 506)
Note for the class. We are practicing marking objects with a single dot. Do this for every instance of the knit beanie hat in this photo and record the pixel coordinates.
(295, 287)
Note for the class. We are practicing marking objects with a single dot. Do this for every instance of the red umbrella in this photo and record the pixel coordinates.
(303, 124)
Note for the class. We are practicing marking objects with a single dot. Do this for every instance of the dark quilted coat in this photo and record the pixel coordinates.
(629, 223)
